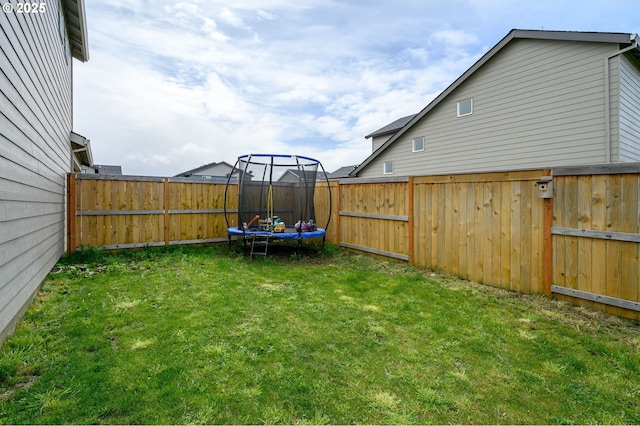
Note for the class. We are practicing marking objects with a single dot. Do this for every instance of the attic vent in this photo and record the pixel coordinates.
(465, 107)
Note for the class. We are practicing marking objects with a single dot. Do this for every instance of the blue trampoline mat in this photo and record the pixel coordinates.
(284, 235)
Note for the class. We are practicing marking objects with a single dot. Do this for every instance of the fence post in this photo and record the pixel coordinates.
(411, 220)
(338, 214)
(547, 243)
(71, 213)
(166, 211)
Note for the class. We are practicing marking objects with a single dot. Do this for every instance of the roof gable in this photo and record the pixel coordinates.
(391, 127)
(342, 172)
(306, 175)
(624, 39)
(198, 171)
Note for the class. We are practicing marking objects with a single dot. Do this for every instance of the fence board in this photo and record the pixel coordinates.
(529, 242)
(630, 224)
(487, 229)
(434, 225)
(505, 234)
(584, 245)
(472, 229)
(598, 222)
(496, 239)
(447, 206)
(614, 248)
(515, 278)
(536, 283)
(462, 235)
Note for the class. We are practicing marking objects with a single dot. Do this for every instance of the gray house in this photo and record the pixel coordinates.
(536, 99)
(218, 172)
(102, 169)
(342, 172)
(294, 175)
(380, 136)
(37, 146)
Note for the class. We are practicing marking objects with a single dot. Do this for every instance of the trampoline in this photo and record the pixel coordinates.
(276, 198)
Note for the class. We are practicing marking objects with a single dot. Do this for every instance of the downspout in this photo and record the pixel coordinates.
(607, 100)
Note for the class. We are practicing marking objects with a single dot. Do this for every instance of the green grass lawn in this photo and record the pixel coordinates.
(199, 335)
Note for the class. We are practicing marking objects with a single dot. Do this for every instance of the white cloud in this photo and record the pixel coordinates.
(454, 39)
(231, 18)
(263, 14)
(173, 85)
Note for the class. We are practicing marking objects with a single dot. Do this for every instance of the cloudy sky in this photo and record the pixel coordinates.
(173, 85)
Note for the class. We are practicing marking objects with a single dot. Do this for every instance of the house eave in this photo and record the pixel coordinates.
(81, 151)
(76, 21)
(391, 128)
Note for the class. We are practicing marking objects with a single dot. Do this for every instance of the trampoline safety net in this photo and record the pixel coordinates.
(278, 189)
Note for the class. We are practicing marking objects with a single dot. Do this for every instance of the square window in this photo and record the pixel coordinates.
(418, 144)
(465, 107)
(388, 168)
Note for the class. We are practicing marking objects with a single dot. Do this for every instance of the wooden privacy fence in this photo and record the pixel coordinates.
(596, 237)
(582, 245)
(116, 212)
(374, 216)
(483, 227)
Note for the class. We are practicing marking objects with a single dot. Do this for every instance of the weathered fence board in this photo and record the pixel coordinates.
(327, 198)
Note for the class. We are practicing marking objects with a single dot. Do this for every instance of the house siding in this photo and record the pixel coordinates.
(378, 141)
(629, 114)
(35, 154)
(536, 103)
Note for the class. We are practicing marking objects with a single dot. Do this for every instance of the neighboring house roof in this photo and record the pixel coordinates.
(103, 169)
(294, 175)
(342, 172)
(391, 127)
(76, 20)
(203, 167)
(624, 39)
